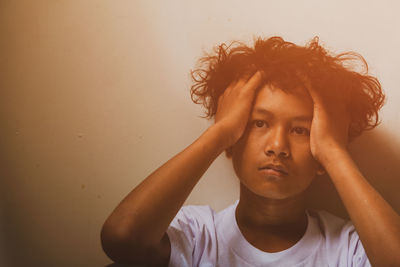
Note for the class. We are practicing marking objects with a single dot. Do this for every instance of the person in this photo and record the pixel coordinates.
(284, 114)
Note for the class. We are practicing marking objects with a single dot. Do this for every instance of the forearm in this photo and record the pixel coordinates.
(146, 212)
(377, 224)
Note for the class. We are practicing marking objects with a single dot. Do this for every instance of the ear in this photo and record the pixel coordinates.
(320, 170)
(228, 152)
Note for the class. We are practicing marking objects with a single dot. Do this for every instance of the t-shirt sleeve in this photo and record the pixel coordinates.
(192, 236)
(357, 254)
(343, 245)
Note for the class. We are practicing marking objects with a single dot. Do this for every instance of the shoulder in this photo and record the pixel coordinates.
(341, 241)
(194, 216)
(198, 215)
(193, 235)
(331, 225)
(191, 230)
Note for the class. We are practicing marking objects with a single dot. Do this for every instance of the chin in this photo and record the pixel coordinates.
(271, 191)
(275, 195)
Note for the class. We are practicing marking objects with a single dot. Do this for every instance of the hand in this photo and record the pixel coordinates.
(234, 107)
(330, 124)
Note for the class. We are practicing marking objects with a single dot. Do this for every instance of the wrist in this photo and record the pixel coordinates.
(218, 138)
(333, 157)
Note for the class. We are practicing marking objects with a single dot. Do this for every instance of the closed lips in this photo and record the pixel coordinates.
(278, 168)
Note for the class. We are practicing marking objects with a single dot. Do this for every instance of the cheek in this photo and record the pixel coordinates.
(310, 165)
(305, 160)
(237, 156)
(241, 145)
(242, 155)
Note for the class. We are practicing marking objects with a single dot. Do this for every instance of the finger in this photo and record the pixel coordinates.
(247, 83)
(315, 95)
(220, 99)
(253, 83)
(235, 83)
(242, 81)
(320, 96)
(330, 102)
(226, 91)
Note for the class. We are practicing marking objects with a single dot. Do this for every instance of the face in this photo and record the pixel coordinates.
(273, 158)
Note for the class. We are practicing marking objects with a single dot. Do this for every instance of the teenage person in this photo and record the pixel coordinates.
(284, 114)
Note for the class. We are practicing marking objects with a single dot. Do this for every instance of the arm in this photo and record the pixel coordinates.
(377, 224)
(135, 232)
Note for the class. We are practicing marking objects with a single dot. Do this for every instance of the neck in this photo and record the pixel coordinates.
(259, 212)
(271, 225)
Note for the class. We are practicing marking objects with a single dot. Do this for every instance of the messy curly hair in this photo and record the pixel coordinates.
(285, 65)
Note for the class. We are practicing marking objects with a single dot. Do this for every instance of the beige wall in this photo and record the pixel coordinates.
(94, 95)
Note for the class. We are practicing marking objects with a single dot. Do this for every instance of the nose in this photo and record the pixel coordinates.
(277, 143)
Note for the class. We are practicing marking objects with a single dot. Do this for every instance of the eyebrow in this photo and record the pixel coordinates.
(268, 113)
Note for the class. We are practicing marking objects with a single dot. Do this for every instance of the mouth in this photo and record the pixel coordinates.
(274, 169)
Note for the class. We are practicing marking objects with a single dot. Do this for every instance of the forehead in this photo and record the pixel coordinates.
(296, 102)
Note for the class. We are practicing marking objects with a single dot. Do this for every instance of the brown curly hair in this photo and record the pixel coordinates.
(285, 65)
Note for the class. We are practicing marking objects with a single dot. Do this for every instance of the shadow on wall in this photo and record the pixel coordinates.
(377, 154)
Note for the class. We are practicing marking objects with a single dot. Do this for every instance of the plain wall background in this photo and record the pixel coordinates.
(94, 95)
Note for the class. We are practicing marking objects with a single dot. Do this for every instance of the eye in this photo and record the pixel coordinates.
(301, 131)
(259, 123)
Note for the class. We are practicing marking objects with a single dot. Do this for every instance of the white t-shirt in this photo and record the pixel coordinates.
(201, 237)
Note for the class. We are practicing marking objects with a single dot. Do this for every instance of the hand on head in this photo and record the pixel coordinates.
(330, 124)
(234, 106)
